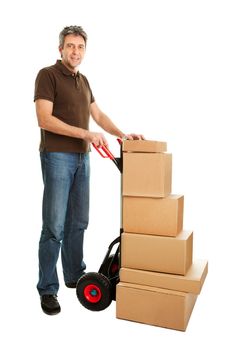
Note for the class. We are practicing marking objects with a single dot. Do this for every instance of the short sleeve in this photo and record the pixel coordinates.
(92, 97)
(44, 86)
(89, 88)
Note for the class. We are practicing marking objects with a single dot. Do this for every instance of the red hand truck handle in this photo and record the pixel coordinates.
(119, 141)
(99, 151)
(103, 148)
(107, 153)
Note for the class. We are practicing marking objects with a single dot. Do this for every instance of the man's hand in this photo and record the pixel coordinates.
(134, 137)
(97, 138)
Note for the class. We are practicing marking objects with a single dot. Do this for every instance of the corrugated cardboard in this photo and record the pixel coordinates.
(147, 174)
(160, 216)
(154, 306)
(192, 282)
(157, 253)
(144, 146)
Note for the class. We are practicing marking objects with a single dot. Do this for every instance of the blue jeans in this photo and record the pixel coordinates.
(65, 217)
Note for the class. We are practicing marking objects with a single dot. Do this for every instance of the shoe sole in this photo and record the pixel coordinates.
(71, 286)
(51, 313)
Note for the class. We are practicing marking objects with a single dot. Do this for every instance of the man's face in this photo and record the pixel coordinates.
(73, 51)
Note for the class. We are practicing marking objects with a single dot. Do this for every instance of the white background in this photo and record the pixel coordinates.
(161, 68)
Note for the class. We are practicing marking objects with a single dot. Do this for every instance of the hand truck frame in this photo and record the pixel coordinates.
(96, 290)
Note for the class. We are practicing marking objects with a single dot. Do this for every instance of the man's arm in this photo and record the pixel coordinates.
(50, 123)
(106, 123)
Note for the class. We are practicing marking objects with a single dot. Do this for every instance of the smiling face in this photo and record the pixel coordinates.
(73, 51)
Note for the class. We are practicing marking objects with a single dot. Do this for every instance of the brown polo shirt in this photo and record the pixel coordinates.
(71, 96)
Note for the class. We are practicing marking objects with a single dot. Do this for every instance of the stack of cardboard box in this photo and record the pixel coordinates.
(159, 282)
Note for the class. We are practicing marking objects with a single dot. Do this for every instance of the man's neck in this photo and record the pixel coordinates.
(73, 70)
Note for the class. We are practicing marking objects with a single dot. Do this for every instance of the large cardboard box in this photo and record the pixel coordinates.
(157, 253)
(154, 306)
(192, 282)
(156, 216)
(144, 146)
(147, 174)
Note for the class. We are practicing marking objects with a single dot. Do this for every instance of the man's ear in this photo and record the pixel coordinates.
(60, 50)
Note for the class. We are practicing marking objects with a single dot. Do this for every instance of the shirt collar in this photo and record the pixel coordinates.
(62, 68)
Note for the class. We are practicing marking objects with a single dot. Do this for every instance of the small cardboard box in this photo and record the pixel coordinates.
(156, 216)
(147, 174)
(154, 306)
(157, 253)
(144, 146)
(192, 282)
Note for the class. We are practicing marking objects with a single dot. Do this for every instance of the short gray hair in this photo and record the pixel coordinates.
(76, 30)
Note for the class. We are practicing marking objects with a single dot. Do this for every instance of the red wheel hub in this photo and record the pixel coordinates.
(92, 293)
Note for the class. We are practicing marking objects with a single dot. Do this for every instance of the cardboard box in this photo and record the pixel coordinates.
(157, 253)
(144, 146)
(160, 216)
(154, 306)
(147, 174)
(192, 282)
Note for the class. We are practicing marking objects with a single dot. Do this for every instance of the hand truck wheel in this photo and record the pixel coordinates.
(94, 291)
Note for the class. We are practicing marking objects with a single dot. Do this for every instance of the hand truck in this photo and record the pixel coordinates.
(96, 290)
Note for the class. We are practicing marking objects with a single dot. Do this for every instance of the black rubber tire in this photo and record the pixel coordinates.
(103, 291)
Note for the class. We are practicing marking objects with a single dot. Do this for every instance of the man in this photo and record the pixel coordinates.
(64, 103)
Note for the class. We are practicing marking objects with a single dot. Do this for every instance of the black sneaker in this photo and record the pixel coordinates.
(50, 304)
(71, 284)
